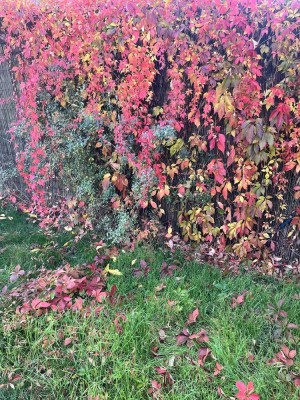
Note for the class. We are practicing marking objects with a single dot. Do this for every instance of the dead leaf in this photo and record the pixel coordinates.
(200, 336)
(182, 337)
(171, 361)
(68, 341)
(203, 353)
(218, 369)
(160, 287)
(220, 392)
(236, 301)
(192, 317)
(162, 335)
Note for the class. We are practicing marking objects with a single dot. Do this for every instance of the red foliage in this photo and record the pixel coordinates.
(65, 288)
(222, 75)
(246, 392)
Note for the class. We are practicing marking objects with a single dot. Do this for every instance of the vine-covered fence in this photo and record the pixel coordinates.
(7, 116)
(10, 180)
(181, 112)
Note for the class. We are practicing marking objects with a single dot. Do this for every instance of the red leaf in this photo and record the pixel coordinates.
(181, 339)
(153, 204)
(231, 156)
(297, 382)
(112, 290)
(156, 385)
(192, 317)
(238, 300)
(100, 296)
(67, 341)
(292, 353)
(160, 370)
(37, 303)
(78, 304)
(246, 392)
(200, 336)
(203, 353)
(250, 387)
(241, 386)
(221, 143)
(216, 167)
(218, 369)
(143, 204)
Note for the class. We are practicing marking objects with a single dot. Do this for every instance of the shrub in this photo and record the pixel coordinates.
(186, 109)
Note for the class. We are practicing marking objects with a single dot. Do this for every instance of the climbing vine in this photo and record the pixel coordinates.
(187, 111)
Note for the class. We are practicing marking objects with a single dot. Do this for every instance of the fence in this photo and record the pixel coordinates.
(9, 178)
(7, 115)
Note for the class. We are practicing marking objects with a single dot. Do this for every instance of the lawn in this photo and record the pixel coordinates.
(139, 342)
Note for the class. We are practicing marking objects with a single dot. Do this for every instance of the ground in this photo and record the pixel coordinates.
(139, 342)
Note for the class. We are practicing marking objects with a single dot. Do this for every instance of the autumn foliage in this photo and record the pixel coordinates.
(187, 111)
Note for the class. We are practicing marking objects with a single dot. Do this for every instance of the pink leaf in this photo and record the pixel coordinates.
(160, 370)
(181, 339)
(218, 369)
(297, 382)
(67, 341)
(200, 336)
(37, 303)
(292, 353)
(241, 386)
(203, 353)
(155, 385)
(192, 317)
(253, 396)
(221, 143)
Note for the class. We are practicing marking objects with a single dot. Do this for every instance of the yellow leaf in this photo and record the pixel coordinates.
(176, 147)
(86, 58)
(157, 111)
(32, 215)
(112, 271)
(35, 250)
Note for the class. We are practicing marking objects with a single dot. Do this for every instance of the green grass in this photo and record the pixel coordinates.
(102, 362)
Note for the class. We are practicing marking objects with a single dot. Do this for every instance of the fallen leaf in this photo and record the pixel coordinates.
(161, 370)
(192, 317)
(67, 341)
(112, 271)
(203, 353)
(218, 369)
(246, 392)
(200, 336)
(160, 287)
(171, 361)
(220, 392)
(162, 335)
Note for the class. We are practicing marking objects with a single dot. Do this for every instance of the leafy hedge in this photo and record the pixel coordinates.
(184, 110)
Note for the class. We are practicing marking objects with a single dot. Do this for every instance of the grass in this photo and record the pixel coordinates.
(102, 362)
